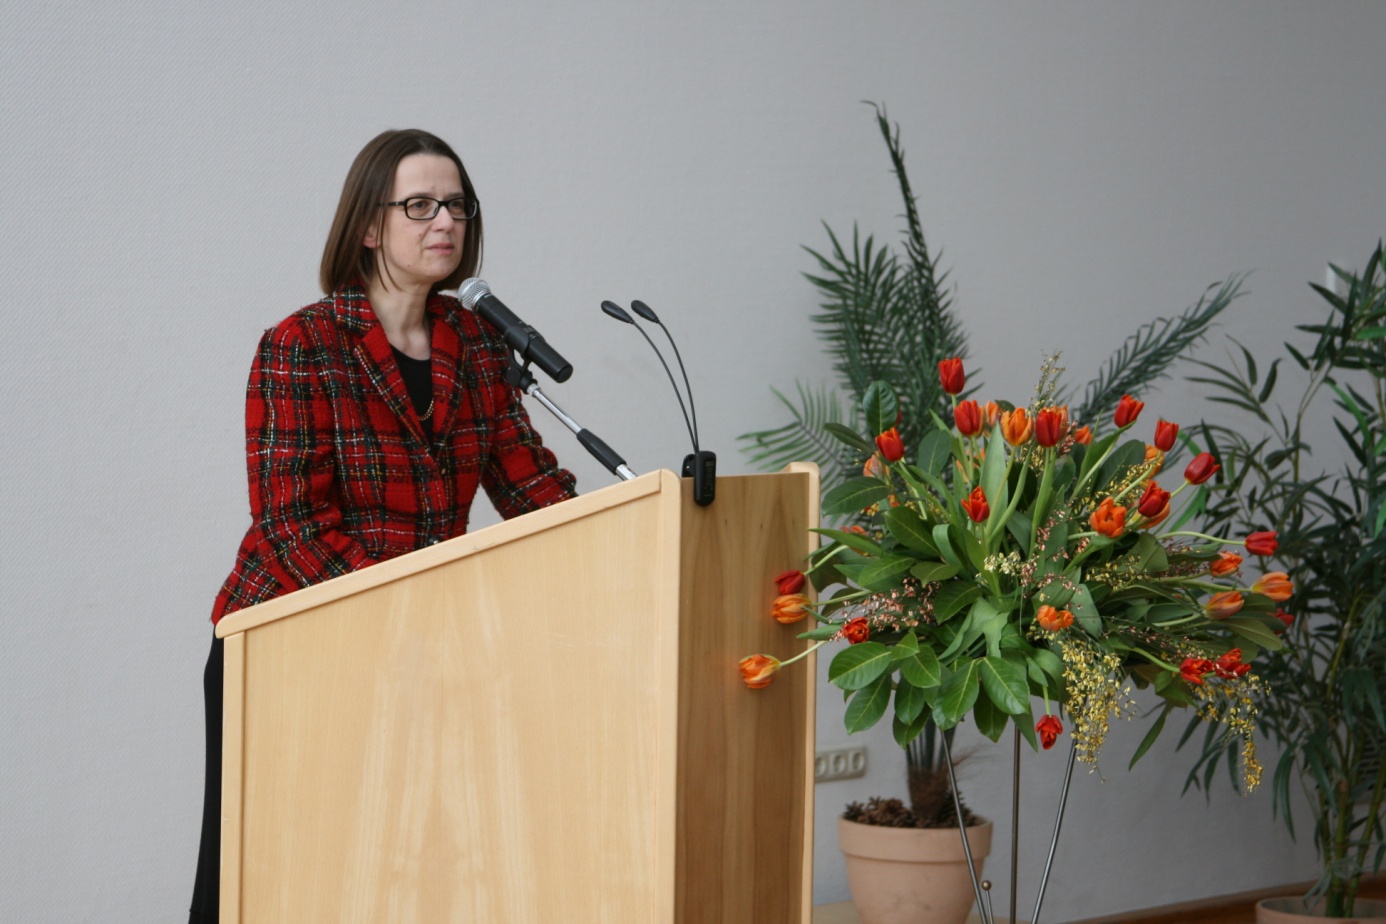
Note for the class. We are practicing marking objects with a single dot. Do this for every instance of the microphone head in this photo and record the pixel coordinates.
(617, 312)
(472, 291)
(644, 311)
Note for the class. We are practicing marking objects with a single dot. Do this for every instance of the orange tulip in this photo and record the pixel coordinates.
(873, 467)
(976, 506)
(1050, 424)
(1108, 519)
(856, 630)
(1157, 519)
(1128, 409)
(993, 413)
(758, 670)
(950, 375)
(1154, 458)
(968, 418)
(1227, 603)
(1052, 620)
(1016, 426)
(1049, 729)
(789, 608)
(1227, 563)
(1083, 435)
(1276, 585)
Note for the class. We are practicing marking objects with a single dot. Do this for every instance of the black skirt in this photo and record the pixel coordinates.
(206, 899)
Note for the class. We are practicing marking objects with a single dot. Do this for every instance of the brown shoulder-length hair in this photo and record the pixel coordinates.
(368, 185)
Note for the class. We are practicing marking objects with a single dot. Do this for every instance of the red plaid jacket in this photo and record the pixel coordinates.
(341, 475)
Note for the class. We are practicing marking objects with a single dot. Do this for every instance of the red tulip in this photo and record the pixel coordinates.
(1284, 617)
(1227, 563)
(976, 505)
(890, 445)
(1165, 435)
(1202, 467)
(1050, 424)
(1276, 585)
(758, 670)
(790, 582)
(1153, 500)
(1227, 603)
(1108, 519)
(950, 375)
(1128, 409)
(1193, 669)
(1049, 729)
(968, 417)
(1230, 664)
(1262, 544)
(856, 630)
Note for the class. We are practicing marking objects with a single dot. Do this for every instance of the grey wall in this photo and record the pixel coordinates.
(170, 170)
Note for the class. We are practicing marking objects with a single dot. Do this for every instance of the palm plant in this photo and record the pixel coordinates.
(889, 315)
(1327, 686)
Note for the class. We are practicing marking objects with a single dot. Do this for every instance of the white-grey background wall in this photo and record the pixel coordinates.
(170, 170)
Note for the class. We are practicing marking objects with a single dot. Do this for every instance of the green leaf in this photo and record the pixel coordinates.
(934, 451)
(1004, 682)
(994, 469)
(868, 704)
(909, 529)
(921, 668)
(952, 597)
(1253, 629)
(1084, 611)
(882, 407)
(852, 540)
(854, 496)
(858, 665)
(990, 720)
(945, 545)
(958, 696)
(909, 702)
(885, 573)
(850, 437)
(821, 633)
(904, 733)
(928, 571)
(1150, 736)
(1045, 668)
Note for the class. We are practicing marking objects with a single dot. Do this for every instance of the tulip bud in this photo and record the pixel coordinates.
(1202, 467)
(890, 445)
(976, 506)
(968, 418)
(1050, 424)
(1128, 409)
(1263, 544)
(1083, 435)
(1276, 585)
(950, 375)
(1049, 729)
(758, 670)
(1227, 563)
(790, 582)
(1165, 435)
(1222, 605)
(1153, 500)
(789, 608)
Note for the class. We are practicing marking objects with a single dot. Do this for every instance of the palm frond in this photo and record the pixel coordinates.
(805, 436)
(1147, 355)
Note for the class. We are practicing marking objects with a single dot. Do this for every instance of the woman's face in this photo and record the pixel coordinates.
(411, 254)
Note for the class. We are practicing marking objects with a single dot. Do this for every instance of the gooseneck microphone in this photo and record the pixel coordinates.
(700, 465)
(527, 342)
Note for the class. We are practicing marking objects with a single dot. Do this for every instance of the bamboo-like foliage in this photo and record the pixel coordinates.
(1328, 684)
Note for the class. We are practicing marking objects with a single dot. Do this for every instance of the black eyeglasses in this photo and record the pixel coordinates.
(424, 208)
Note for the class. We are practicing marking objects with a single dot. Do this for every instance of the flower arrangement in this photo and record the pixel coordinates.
(1021, 557)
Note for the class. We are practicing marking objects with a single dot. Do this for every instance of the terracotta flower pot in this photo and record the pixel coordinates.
(1291, 911)
(911, 875)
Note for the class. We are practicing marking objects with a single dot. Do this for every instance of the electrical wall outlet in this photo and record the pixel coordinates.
(839, 764)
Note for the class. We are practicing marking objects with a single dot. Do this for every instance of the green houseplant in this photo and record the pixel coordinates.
(1327, 686)
(888, 315)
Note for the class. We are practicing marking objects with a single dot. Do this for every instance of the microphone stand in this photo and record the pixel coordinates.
(519, 376)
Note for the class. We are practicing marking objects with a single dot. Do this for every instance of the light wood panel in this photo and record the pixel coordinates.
(541, 722)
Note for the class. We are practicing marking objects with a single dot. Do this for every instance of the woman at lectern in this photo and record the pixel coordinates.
(374, 414)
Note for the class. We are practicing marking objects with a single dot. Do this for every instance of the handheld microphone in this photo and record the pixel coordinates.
(700, 465)
(475, 295)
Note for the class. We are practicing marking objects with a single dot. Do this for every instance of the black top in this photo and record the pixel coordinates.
(418, 380)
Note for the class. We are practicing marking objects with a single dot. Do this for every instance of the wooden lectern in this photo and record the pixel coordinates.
(540, 722)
